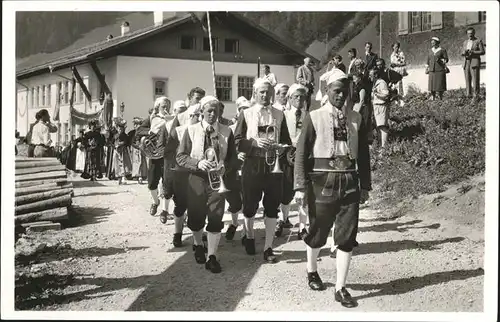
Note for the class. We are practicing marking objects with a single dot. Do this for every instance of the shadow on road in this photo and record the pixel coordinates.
(399, 227)
(61, 252)
(80, 183)
(80, 216)
(99, 194)
(405, 285)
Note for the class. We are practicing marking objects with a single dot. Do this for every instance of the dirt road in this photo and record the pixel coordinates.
(117, 257)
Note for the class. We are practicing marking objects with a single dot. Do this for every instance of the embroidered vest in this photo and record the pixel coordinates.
(322, 120)
(252, 120)
(196, 133)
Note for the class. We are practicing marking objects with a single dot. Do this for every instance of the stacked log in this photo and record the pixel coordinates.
(43, 192)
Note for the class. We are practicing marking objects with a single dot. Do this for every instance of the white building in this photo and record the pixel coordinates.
(169, 57)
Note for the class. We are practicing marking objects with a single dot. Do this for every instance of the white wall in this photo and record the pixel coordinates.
(454, 80)
(136, 74)
(24, 118)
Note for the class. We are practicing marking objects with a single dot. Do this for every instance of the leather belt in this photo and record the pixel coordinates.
(337, 164)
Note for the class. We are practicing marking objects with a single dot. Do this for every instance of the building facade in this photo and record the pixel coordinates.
(413, 30)
(167, 59)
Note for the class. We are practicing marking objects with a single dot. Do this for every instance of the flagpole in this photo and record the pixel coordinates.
(211, 53)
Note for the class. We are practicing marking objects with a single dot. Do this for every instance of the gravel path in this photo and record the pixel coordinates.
(118, 257)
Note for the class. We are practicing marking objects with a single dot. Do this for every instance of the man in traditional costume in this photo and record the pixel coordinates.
(332, 170)
(150, 127)
(294, 115)
(203, 201)
(261, 133)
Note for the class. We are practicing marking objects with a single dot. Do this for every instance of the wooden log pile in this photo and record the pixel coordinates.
(43, 192)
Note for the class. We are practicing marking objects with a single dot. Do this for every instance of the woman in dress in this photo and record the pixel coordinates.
(138, 158)
(436, 68)
(121, 157)
(93, 142)
(80, 153)
(398, 64)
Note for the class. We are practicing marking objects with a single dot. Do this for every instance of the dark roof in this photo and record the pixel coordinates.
(84, 54)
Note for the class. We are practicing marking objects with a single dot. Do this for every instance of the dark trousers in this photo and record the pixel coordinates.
(288, 191)
(155, 173)
(256, 180)
(340, 206)
(204, 202)
(31, 150)
(233, 197)
(471, 77)
(175, 185)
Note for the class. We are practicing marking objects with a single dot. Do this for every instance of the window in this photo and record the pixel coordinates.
(49, 93)
(482, 16)
(43, 95)
(66, 92)
(188, 42)
(33, 97)
(160, 87)
(232, 46)
(245, 86)
(420, 21)
(206, 44)
(80, 95)
(59, 93)
(66, 133)
(223, 88)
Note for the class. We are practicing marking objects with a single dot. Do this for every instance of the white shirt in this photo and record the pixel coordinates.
(40, 134)
(279, 106)
(271, 78)
(350, 66)
(337, 148)
(469, 44)
(205, 125)
(264, 114)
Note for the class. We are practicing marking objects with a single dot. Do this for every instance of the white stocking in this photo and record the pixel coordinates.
(178, 224)
(343, 261)
(312, 259)
(197, 236)
(285, 211)
(249, 227)
(270, 224)
(213, 243)
(154, 196)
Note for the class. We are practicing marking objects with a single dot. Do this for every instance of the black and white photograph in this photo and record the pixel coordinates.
(250, 160)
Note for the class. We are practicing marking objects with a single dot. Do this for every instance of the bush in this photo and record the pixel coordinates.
(433, 144)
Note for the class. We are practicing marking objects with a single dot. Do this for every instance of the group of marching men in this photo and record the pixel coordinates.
(329, 176)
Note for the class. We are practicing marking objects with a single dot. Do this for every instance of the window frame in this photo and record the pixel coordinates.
(160, 79)
(193, 38)
(66, 92)
(33, 97)
(236, 41)
(221, 90)
(241, 80)
(43, 94)
(49, 92)
(420, 17)
(215, 44)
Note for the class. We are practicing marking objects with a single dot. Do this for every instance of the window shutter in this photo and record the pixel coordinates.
(436, 20)
(403, 23)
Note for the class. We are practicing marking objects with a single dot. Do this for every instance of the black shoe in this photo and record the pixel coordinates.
(302, 234)
(355, 244)
(164, 217)
(153, 210)
(315, 282)
(213, 265)
(199, 254)
(344, 298)
(279, 228)
(243, 240)
(288, 224)
(269, 256)
(231, 230)
(250, 246)
(177, 240)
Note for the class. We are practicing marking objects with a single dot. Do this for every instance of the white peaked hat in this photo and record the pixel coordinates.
(207, 99)
(336, 75)
(179, 103)
(242, 102)
(279, 86)
(295, 88)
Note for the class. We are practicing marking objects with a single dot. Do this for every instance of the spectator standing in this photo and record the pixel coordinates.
(473, 49)
(436, 68)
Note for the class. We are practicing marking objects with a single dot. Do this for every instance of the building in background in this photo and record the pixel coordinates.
(414, 31)
(167, 57)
